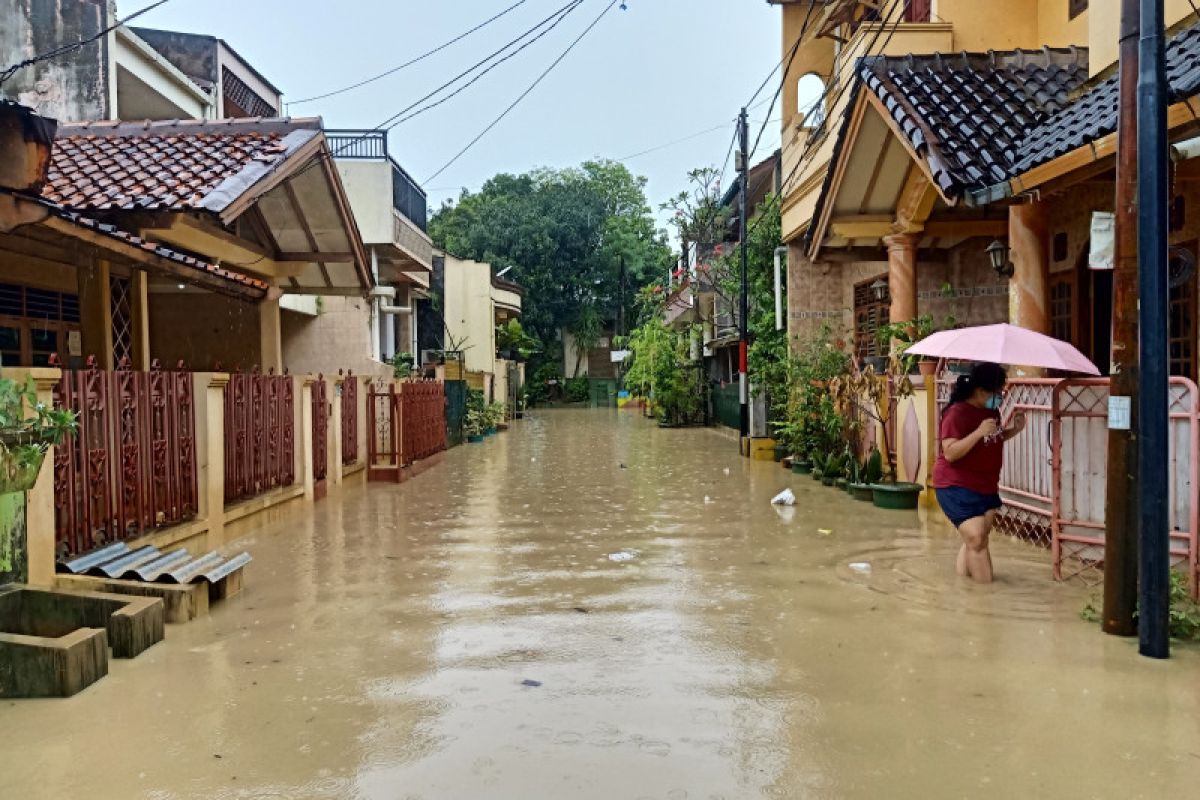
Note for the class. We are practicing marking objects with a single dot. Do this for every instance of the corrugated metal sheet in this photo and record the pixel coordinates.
(151, 565)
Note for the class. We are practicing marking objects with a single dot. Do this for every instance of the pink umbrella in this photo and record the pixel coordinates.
(1003, 344)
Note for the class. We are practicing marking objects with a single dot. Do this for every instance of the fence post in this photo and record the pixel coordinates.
(210, 390)
(333, 432)
(304, 434)
(39, 503)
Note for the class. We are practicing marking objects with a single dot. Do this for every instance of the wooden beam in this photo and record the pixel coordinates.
(153, 261)
(874, 100)
(862, 226)
(966, 228)
(214, 243)
(309, 258)
(915, 202)
(308, 234)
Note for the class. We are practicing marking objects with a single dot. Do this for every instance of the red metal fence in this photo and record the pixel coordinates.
(349, 419)
(406, 425)
(1054, 482)
(131, 467)
(260, 434)
(423, 419)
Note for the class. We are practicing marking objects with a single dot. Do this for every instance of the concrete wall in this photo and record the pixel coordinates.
(338, 337)
(71, 88)
(469, 312)
(204, 329)
(148, 86)
(369, 187)
(1103, 20)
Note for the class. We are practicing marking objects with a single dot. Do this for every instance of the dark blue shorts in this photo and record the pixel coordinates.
(961, 504)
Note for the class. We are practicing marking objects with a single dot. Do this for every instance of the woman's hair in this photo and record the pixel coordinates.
(989, 377)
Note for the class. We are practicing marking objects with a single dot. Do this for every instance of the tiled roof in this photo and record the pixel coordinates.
(1094, 115)
(968, 113)
(159, 166)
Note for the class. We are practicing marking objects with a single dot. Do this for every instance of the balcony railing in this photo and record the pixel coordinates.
(408, 198)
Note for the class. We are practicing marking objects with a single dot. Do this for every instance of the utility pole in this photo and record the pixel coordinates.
(744, 321)
(1121, 508)
(621, 298)
(1152, 418)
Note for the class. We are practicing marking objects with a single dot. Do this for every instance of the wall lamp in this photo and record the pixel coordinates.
(997, 253)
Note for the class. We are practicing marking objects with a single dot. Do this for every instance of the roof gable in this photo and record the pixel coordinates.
(966, 114)
(167, 166)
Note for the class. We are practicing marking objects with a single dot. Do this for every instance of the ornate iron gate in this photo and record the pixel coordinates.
(406, 425)
(320, 435)
(131, 467)
(349, 419)
(260, 434)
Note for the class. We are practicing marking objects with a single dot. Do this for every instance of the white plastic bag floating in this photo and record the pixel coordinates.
(784, 498)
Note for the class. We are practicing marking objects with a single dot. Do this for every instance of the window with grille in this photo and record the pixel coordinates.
(870, 314)
(1181, 336)
(34, 325)
(1076, 7)
(1062, 306)
(122, 318)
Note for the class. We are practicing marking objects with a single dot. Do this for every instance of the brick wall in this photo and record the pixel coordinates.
(339, 337)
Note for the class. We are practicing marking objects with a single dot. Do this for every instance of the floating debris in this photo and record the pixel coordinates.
(785, 498)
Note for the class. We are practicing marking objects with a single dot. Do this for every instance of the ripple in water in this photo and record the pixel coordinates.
(922, 573)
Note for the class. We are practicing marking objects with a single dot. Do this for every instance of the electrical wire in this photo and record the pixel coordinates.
(688, 138)
(74, 46)
(796, 46)
(411, 62)
(786, 72)
(553, 21)
(528, 91)
(810, 146)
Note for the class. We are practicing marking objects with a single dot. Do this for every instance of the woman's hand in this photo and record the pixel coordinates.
(987, 428)
(1019, 421)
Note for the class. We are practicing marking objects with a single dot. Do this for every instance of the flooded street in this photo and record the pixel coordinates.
(590, 607)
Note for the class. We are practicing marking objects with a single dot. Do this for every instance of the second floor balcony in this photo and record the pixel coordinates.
(390, 207)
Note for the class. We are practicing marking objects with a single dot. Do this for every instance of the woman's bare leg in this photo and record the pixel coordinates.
(960, 564)
(974, 533)
(990, 519)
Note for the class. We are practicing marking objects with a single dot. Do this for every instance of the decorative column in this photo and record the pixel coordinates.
(334, 431)
(140, 290)
(209, 388)
(40, 501)
(304, 435)
(1029, 251)
(902, 275)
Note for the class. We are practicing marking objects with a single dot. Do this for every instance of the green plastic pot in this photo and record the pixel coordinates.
(862, 491)
(841, 483)
(896, 496)
(829, 480)
(802, 467)
(475, 438)
(780, 453)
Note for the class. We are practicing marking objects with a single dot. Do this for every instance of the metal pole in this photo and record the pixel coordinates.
(1154, 601)
(1121, 511)
(744, 322)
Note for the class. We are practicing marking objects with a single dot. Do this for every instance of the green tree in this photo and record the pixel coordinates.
(569, 235)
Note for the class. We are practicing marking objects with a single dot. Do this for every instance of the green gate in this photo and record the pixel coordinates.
(727, 405)
(603, 393)
(456, 411)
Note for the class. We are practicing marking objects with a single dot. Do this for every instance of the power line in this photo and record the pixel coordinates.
(750, 103)
(681, 140)
(553, 21)
(786, 72)
(74, 46)
(528, 91)
(411, 62)
(810, 146)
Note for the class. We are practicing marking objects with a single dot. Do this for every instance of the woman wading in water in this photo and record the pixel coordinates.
(967, 473)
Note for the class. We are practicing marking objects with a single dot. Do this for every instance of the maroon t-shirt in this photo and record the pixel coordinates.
(978, 470)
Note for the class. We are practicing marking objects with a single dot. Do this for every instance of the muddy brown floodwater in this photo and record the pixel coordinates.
(590, 607)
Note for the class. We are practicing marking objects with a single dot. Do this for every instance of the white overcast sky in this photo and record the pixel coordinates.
(659, 71)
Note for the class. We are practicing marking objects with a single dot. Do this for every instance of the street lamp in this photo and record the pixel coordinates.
(997, 252)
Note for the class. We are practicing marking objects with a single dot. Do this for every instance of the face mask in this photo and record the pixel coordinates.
(995, 401)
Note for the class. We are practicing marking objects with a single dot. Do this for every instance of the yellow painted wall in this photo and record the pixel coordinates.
(1103, 19)
(982, 25)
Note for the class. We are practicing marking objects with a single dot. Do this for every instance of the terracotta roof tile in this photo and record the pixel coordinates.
(968, 113)
(159, 166)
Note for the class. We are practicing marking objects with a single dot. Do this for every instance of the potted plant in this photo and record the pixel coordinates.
(870, 472)
(28, 428)
(867, 394)
(473, 425)
(902, 335)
